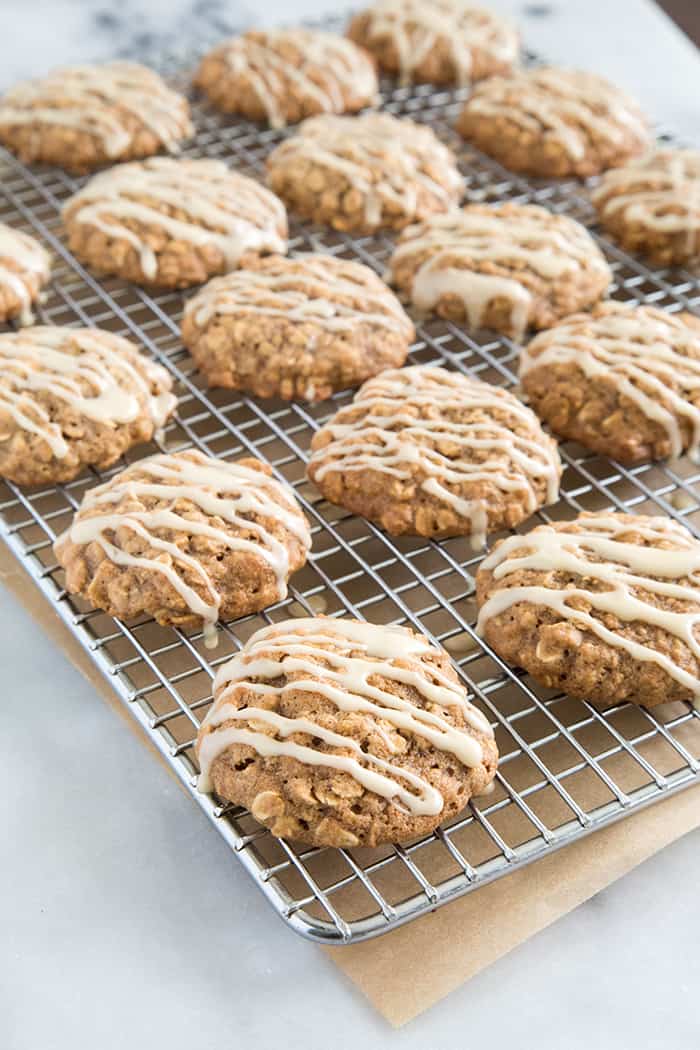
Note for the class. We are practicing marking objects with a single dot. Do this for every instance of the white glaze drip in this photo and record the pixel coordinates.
(331, 67)
(32, 262)
(306, 288)
(337, 659)
(223, 209)
(100, 376)
(93, 99)
(404, 416)
(629, 571)
(454, 246)
(383, 158)
(229, 492)
(570, 106)
(660, 192)
(415, 27)
(651, 357)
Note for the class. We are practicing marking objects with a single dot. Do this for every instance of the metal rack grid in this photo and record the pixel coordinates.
(567, 767)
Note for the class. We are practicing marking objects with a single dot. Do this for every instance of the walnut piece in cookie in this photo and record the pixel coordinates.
(427, 452)
(508, 267)
(186, 539)
(652, 206)
(364, 173)
(303, 327)
(172, 223)
(624, 381)
(82, 117)
(554, 122)
(25, 268)
(436, 41)
(341, 733)
(605, 607)
(72, 398)
(282, 76)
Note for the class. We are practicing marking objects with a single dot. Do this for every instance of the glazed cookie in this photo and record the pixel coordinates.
(508, 267)
(439, 41)
(172, 223)
(623, 381)
(72, 398)
(652, 207)
(434, 453)
(554, 122)
(186, 539)
(83, 116)
(364, 173)
(24, 270)
(605, 608)
(282, 76)
(296, 328)
(341, 733)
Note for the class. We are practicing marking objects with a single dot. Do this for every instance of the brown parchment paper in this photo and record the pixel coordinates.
(462, 938)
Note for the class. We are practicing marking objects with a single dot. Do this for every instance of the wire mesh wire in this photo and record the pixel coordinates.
(567, 767)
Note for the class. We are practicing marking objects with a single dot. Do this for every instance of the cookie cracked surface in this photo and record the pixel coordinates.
(604, 608)
(72, 398)
(283, 76)
(303, 327)
(84, 116)
(427, 452)
(554, 122)
(187, 539)
(508, 267)
(25, 267)
(364, 173)
(172, 223)
(341, 733)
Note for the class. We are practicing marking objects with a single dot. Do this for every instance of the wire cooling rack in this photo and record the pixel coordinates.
(567, 767)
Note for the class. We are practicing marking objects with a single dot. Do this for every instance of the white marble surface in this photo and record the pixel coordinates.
(125, 922)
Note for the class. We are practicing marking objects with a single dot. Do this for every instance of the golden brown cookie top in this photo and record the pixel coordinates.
(652, 358)
(385, 159)
(199, 202)
(334, 294)
(324, 72)
(52, 378)
(109, 101)
(568, 107)
(481, 252)
(660, 192)
(354, 712)
(24, 265)
(414, 28)
(444, 430)
(169, 502)
(630, 580)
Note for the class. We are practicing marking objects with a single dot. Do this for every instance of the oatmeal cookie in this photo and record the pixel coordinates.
(508, 267)
(364, 173)
(172, 223)
(72, 398)
(84, 116)
(341, 733)
(652, 207)
(186, 539)
(605, 608)
(296, 328)
(623, 381)
(428, 452)
(282, 76)
(25, 268)
(436, 41)
(554, 122)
